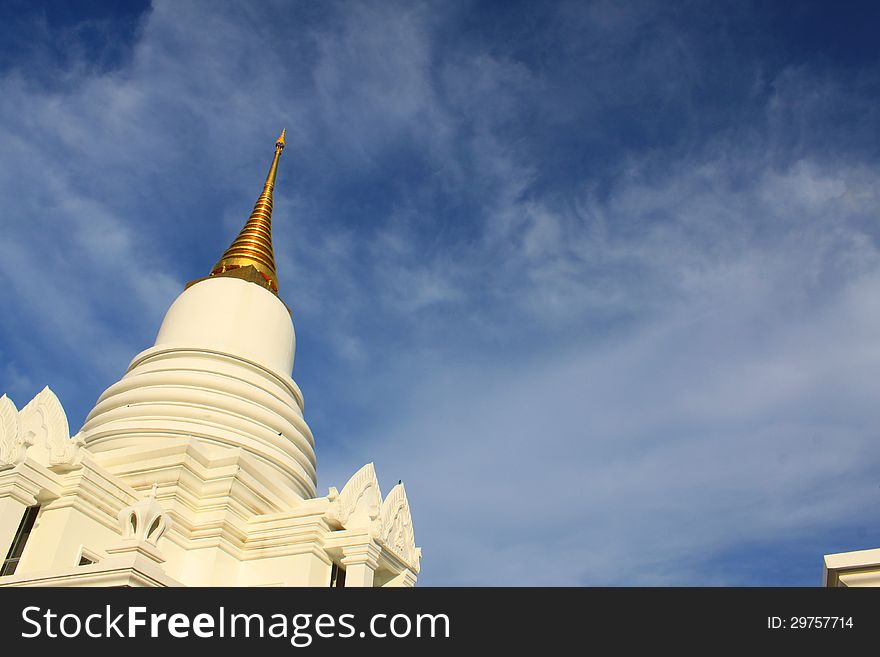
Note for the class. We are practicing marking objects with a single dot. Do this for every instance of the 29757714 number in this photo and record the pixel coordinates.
(809, 622)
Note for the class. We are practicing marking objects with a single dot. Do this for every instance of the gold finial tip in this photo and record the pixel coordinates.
(280, 141)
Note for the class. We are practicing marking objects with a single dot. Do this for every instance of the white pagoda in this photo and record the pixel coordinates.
(196, 468)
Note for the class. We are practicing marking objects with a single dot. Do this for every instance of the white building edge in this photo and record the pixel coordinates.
(197, 468)
(850, 569)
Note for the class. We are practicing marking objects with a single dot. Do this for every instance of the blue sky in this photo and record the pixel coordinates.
(599, 281)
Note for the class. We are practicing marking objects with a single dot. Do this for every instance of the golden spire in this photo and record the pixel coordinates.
(253, 246)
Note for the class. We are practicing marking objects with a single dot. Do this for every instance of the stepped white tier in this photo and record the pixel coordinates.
(219, 373)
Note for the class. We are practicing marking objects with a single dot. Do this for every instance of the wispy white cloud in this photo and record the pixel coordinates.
(731, 413)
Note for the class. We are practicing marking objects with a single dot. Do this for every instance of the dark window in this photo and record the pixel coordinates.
(20, 540)
(337, 576)
(85, 561)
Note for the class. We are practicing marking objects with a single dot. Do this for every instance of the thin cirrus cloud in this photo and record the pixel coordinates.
(598, 282)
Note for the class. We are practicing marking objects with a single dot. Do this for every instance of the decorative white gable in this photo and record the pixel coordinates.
(12, 444)
(396, 527)
(44, 427)
(359, 504)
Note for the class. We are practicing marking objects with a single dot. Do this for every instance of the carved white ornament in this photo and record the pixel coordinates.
(44, 427)
(359, 504)
(12, 444)
(396, 527)
(144, 521)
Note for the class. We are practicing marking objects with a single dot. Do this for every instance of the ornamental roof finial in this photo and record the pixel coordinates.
(253, 246)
